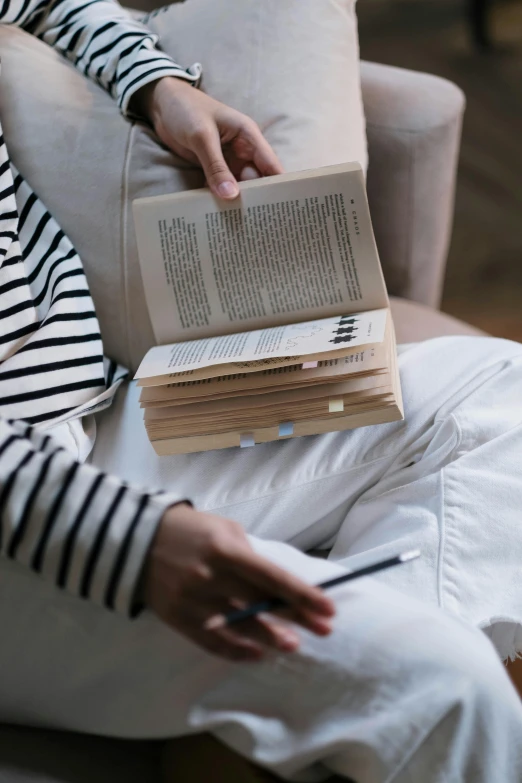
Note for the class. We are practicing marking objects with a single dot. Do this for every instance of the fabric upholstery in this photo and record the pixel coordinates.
(410, 180)
(413, 123)
(260, 66)
(413, 126)
(39, 756)
(415, 322)
(413, 130)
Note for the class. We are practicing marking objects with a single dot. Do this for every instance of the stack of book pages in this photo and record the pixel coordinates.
(294, 261)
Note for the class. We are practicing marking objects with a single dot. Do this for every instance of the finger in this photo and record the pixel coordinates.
(237, 649)
(278, 583)
(233, 588)
(221, 181)
(317, 624)
(218, 597)
(241, 170)
(249, 172)
(235, 164)
(259, 630)
(258, 150)
(190, 620)
(210, 616)
(251, 638)
(239, 593)
(263, 631)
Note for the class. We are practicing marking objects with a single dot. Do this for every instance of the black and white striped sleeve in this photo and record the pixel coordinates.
(102, 40)
(83, 530)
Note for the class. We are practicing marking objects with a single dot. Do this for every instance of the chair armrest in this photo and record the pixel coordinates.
(413, 125)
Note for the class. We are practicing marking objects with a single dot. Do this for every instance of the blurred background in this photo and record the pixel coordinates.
(478, 45)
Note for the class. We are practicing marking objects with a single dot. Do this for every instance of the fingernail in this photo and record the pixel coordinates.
(289, 641)
(249, 172)
(228, 190)
(214, 623)
(325, 628)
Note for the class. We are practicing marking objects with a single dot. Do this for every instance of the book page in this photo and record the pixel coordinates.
(181, 401)
(199, 409)
(293, 247)
(364, 361)
(203, 373)
(296, 339)
(165, 445)
(238, 421)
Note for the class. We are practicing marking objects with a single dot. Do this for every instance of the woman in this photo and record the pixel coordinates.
(400, 689)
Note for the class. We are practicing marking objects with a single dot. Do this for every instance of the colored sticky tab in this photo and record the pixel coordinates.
(286, 428)
(335, 406)
(309, 365)
(246, 439)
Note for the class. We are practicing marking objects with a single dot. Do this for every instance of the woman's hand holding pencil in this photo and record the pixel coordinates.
(273, 604)
(200, 566)
(204, 580)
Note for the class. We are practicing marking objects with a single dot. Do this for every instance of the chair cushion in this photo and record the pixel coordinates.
(415, 322)
(62, 130)
(42, 756)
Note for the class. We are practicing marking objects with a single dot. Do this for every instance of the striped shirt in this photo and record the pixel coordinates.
(87, 532)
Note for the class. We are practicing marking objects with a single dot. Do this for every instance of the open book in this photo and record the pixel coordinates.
(270, 313)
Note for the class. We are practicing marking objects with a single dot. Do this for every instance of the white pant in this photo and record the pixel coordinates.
(448, 480)
(402, 691)
(406, 689)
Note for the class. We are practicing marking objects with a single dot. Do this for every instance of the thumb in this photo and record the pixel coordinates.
(220, 179)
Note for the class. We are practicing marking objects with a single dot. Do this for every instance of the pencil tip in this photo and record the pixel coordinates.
(411, 555)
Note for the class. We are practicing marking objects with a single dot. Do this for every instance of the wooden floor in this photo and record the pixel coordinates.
(484, 275)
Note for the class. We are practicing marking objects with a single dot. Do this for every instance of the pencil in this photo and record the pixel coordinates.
(278, 603)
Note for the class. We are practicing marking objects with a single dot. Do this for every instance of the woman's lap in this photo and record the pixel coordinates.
(440, 480)
(361, 703)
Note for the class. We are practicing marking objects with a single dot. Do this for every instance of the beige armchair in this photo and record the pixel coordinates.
(413, 127)
(413, 122)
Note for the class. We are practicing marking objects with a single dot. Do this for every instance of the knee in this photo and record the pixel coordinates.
(488, 682)
(457, 665)
(417, 649)
(469, 710)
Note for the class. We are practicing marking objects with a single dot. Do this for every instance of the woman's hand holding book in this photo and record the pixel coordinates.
(228, 145)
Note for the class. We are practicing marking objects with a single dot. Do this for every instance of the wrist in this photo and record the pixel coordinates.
(140, 593)
(148, 100)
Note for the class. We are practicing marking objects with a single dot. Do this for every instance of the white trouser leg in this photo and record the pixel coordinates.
(447, 479)
(399, 692)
